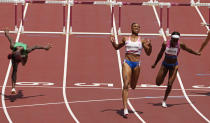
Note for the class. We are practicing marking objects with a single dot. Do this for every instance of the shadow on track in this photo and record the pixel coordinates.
(169, 105)
(121, 111)
(204, 93)
(19, 95)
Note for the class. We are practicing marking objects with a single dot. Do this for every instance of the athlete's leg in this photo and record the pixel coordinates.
(14, 74)
(135, 77)
(161, 75)
(24, 60)
(172, 77)
(126, 72)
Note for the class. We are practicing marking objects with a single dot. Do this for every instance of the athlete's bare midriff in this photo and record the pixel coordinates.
(132, 57)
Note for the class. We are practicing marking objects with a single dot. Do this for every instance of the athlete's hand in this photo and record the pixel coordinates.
(112, 38)
(148, 42)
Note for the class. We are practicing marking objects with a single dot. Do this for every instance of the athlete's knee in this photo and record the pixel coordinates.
(158, 82)
(169, 87)
(133, 86)
(125, 87)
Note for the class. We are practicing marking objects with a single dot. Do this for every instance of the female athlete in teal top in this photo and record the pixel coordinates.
(19, 54)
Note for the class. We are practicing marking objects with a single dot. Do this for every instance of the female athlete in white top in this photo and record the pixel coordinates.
(131, 65)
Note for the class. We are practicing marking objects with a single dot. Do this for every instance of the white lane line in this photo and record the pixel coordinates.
(180, 81)
(100, 100)
(188, 99)
(65, 68)
(207, 27)
(120, 69)
(8, 71)
(56, 87)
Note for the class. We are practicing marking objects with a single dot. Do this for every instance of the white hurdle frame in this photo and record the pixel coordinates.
(23, 2)
(109, 3)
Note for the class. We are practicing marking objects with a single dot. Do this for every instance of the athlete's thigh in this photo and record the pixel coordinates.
(24, 60)
(126, 73)
(135, 75)
(172, 75)
(161, 74)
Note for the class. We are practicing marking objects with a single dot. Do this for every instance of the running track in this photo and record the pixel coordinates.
(91, 59)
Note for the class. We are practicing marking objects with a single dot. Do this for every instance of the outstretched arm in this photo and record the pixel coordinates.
(205, 42)
(117, 46)
(6, 32)
(147, 46)
(160, 54)
(184, 47)
(39, 47)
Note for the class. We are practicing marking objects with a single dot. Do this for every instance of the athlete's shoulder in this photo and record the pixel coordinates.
(125, 38)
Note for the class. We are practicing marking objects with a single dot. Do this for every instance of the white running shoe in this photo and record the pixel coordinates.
(13, 91)
(164, 104)
(125, 113)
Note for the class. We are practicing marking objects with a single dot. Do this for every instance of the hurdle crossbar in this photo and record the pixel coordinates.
(141, 34)
(41, 32)
(111, 3)
(191, 35)
(149, 3)
(35, 32)
(34, 1)
(139, 4)
(9, 32)
(90, 33)
(94, 2)
(91, 3)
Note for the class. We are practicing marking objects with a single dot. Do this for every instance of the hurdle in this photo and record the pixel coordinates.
(160, 5)
(191, 4)
(111, 4)
(120, 4)
(104, 3)
(23, 2)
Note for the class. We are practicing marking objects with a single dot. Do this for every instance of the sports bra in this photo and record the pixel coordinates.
(133, 47)
(172, 51)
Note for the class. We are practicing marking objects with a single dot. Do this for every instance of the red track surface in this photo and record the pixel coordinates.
(91, 59)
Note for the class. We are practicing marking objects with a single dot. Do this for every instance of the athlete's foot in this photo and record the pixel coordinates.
(125, 113)
(13, 91)
(164, 105)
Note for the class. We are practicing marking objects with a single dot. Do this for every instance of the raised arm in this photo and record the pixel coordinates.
(117, 46)
(205, 42)
(147, 46)
(6, 32)
(184, 47)
(160, 54)
(39, 47)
